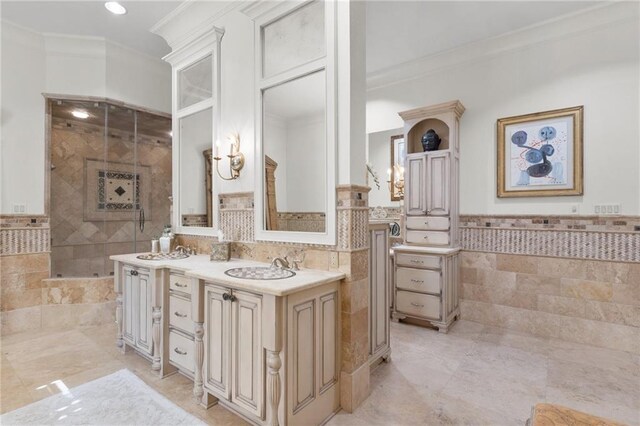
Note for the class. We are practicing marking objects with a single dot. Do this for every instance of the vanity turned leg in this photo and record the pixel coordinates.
(198, 390)
(156, 315)
(273, 384)
(119, 340)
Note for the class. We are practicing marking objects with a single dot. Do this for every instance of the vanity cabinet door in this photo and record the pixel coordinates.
(143, 318)
(437, 184)
(378, 291)
(217, 341)
(129, 306)
(415, 186)
(246, 364)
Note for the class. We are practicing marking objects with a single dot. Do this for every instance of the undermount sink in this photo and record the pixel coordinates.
(260, 273)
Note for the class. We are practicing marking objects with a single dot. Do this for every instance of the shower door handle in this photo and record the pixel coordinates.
(141, 221)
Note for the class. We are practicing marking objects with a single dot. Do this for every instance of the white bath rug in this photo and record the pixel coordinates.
(120, 398)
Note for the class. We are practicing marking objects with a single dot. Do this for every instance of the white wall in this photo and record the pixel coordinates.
(596, 66)
(22, 121)
(33, 64)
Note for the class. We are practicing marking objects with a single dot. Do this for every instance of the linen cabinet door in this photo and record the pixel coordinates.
(437, 183)
(217, 341)
(246, 358)
(414, 193)
(129, 305)
(144, 319)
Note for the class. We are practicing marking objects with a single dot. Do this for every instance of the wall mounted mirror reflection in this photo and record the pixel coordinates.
(294, 146)
(195, 169)
(386, 152)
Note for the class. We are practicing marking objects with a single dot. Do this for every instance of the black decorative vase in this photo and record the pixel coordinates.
(430, 141)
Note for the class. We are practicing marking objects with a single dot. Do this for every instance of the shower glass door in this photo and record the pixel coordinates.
(110, 184)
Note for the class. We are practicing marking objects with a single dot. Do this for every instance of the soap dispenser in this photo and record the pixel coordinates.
(165, 240)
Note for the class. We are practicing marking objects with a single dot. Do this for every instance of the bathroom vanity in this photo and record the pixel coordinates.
(268, 349)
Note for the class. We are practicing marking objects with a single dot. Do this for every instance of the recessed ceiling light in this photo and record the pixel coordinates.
(80, 114)
(115, 8)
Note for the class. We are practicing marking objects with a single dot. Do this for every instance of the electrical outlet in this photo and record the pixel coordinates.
(575, 209)
(607, 209)
(19, 208)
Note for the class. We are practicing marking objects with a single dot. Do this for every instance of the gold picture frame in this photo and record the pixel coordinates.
(540, 154)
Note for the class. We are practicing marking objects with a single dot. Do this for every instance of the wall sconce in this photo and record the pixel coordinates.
(398, 180)
(236, 158)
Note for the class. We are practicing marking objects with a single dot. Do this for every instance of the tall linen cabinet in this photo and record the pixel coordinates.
(426, 266)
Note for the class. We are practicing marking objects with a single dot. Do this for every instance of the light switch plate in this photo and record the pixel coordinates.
(608, 209)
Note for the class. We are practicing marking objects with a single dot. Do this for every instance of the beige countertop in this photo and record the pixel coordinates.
(199, 266)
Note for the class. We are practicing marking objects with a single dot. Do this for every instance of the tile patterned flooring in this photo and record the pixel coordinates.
(476, 375)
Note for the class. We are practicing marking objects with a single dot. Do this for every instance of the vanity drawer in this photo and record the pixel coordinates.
(419, 305)
(418, 260)
(428, 237)
(428, 223)
(180, 283)
(422, 280)
(181, 350)
(180, 313)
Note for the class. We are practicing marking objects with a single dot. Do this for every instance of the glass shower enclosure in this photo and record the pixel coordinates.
(110, 183)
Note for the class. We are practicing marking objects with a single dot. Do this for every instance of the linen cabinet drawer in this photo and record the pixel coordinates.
(419, 305)
(428, 237)
(418, 260)
(422, 280)
(180, 283)
(181, 350)
(180, 313)
(428, 223)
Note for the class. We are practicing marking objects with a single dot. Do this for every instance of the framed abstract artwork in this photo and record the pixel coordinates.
(540, 154)
(398, 157)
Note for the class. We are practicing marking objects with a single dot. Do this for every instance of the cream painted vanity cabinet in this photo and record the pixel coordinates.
(379, 292)
(139, 294)
(268, 350)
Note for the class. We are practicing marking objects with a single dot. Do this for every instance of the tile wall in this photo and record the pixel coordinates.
(572, 278)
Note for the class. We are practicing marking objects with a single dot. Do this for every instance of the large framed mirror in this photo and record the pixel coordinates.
(295, 131)
(196, 118)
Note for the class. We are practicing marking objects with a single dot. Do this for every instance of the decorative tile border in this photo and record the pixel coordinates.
(612, 246)
(586, 223)
(391, 212)
(24, 234)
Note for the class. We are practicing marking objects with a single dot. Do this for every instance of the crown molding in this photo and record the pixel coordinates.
(452, 106)
(21, 35)
(177, 27)
(588, 20)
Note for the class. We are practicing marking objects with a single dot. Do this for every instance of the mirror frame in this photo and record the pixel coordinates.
(326, 63)
(205, 44)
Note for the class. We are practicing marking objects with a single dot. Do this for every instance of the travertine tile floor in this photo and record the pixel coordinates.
(474, 375)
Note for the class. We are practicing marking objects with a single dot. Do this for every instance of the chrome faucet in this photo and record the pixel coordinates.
(185, 250)
(279, 262)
